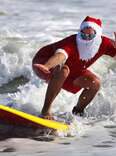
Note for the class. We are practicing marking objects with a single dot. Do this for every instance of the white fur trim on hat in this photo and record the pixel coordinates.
(93, 25)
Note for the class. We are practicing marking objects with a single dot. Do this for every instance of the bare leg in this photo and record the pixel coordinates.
(54, 87)
(91, 85)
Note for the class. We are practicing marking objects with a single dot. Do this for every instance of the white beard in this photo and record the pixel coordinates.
(88, 48)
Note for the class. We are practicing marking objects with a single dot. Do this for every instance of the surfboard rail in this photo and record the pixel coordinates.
(34, 119)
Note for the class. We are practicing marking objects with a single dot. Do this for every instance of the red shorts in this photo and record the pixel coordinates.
(68, 84)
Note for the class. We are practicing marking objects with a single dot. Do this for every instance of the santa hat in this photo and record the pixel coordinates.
(93, 23)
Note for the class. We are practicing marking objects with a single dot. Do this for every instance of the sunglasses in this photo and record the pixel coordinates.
(84, 35)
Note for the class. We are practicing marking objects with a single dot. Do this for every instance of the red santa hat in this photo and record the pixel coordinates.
(96, 24)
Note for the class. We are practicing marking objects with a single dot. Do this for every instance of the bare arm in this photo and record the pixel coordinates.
(114, 41)
(52, 62)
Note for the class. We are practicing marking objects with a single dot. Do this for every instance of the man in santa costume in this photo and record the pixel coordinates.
(64, 64)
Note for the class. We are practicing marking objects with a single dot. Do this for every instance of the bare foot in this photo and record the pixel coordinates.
(47, 116)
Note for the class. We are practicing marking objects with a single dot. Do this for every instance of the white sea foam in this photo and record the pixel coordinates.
(25, 27)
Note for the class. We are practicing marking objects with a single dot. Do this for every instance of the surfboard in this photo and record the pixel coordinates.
(12, 116)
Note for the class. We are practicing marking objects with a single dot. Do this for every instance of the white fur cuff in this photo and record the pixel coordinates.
(62, 51)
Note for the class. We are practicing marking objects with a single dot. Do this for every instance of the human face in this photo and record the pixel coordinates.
(88, 33)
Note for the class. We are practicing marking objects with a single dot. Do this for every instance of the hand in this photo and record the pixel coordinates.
(42, 67)
(114, 41)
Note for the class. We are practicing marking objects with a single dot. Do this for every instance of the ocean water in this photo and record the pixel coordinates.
(25, 27)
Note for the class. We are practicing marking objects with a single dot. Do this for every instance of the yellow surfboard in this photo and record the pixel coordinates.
(13, 116)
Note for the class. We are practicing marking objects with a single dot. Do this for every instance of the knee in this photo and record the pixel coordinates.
(61, 72)
(65, 71)
(96, 84)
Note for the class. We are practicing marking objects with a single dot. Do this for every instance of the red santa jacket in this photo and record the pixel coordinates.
(75, 64)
